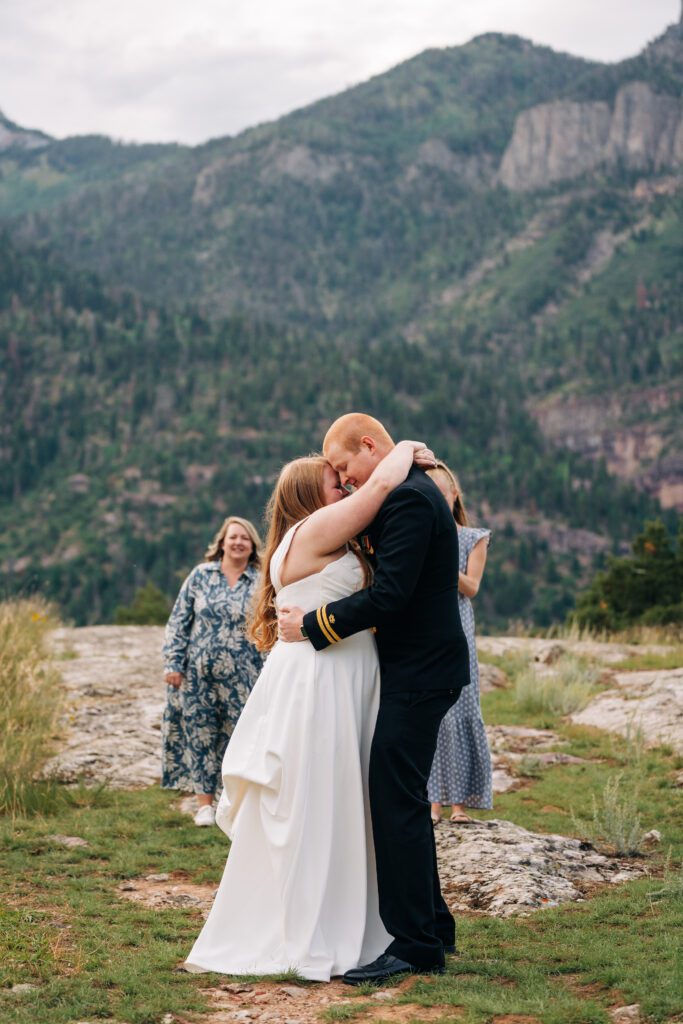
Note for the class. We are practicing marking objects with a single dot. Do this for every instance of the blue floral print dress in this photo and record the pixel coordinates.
(461, 772)
(206, 642)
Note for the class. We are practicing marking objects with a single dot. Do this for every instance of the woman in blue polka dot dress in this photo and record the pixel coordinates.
(461, 772)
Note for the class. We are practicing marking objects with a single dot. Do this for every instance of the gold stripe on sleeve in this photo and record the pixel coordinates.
(330, 639)
(326, 617)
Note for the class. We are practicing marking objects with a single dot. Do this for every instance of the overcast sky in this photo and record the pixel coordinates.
(189, 70)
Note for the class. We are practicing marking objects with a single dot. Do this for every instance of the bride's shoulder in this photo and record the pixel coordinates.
(283, 547)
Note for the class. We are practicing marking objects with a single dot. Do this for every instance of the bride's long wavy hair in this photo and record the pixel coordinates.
(298, 492)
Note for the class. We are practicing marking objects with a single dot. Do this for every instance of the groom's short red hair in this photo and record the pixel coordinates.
(348, 430)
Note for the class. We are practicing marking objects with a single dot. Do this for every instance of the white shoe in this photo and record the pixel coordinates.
(205, 815)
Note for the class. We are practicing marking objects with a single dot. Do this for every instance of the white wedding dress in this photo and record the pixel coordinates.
(299, 889)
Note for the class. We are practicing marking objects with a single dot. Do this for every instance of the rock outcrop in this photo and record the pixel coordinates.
(476, 170)
(14, 137)
(501, 869)
(115, 701)
(636, 432)
(643, 704)
(565, 139)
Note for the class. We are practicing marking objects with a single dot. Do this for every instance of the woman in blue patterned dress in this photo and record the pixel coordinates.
(209, 665)
(461, 773)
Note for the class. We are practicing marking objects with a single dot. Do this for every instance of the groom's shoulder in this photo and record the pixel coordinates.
(417, 487)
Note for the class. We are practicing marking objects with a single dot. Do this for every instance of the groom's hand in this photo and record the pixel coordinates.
(289, 623)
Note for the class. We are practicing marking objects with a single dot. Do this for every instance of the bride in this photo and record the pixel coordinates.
(299, 890)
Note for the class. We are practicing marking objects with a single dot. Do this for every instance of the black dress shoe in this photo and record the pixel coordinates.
(385, 966)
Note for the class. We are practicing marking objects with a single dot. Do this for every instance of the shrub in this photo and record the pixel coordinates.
(31, 699)
(150, 607)
(644, 588)
(616, 820)
(567, 689)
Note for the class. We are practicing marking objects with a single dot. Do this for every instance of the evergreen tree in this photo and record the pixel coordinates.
(150, 607)
(645, 588)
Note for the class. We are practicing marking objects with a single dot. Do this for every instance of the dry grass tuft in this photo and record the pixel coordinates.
(31, 700)
(567, 689)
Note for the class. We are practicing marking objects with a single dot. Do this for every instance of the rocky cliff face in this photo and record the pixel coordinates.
(14, 137)
(636, 433)
(564, 139)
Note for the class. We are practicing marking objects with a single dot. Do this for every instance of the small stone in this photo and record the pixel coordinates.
(69, 840)
(128, 887)
(24, 987)
(653, 836)
(626, 1014)
(167, 1018)
(293, 990)
(243, 1015)
(235, 988)
(550, 655)
(383, 995)
(157, 878)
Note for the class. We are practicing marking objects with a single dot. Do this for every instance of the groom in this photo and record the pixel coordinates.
(413, 604)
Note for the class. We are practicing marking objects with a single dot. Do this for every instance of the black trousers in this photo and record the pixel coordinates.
(410, 902)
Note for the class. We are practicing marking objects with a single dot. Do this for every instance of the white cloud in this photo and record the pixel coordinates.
(168, 69)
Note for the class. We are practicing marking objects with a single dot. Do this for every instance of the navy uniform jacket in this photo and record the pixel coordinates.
(413, 599)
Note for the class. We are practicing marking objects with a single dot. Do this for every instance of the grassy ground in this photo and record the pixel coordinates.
(96, 957)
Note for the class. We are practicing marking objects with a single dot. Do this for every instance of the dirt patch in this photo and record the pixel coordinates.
(168, 891)
(405, 1012)
(588, 989)
(514, 1018)
(277, 1003)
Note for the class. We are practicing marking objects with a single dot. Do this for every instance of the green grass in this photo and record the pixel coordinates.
(95, 956)
(346, 1012)
(114, 959)
(651, 661)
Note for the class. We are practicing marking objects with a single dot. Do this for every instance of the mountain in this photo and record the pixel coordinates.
(129, 431)
(13, 137)
(483, 245)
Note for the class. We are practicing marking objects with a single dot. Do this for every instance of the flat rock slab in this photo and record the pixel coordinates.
(500, 869)
(647, 702)
(115, 702)
(521, 739)
(512, 744)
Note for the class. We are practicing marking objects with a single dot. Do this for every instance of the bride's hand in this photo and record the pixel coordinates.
(422, 455)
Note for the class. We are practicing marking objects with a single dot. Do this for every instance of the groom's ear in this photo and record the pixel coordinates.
(368, 442)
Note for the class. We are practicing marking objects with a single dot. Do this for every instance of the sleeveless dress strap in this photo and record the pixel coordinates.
(281, 553)
(473, 534)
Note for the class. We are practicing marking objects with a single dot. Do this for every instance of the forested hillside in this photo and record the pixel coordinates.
(364, 252)
(130, 431)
